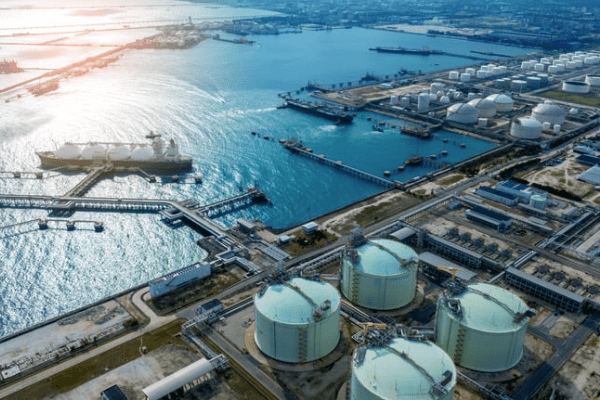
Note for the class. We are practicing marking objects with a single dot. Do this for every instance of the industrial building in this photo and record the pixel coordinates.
(297, 319)
(488, 217)
(481, 326)
(380, 274)
(176, 279)
(520, 190)
(546, 291)
(113, 393)
(181, 380)
(430, 262)
(402, 369)
(498, 196)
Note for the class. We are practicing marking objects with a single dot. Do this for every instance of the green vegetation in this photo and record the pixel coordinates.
(305, 243)
(588, 100)
(99, 365)
(451, 180)
(509, 172)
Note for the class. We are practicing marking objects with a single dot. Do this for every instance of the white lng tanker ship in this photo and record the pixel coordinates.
(155, 157)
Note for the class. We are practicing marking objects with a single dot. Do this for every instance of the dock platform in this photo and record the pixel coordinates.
(298, 148)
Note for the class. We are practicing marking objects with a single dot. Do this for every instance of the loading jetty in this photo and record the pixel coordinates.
(327, 111)
(424, 52)
(297, 147)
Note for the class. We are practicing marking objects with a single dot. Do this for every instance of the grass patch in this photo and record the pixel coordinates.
(451, 180)
(588, 100)
(189, 294)
(304, 243)
(97, 366)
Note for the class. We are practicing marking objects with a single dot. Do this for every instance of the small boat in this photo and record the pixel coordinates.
(445, 140)
(433, 156)
(463, 145)
(444, 152)
(401, 168)
(387, 173)
(377, 128)
(253, 132)
(369, 118)
(266, 137)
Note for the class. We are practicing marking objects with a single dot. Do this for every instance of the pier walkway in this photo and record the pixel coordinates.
(233, 203)
(86, 183)
(297, 148)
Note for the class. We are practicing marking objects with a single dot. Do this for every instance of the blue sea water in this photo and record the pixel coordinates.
(208, 98)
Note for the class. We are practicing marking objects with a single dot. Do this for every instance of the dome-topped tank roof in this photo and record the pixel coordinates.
(142, 153)
(385, 257)
(295, 301)
(402, 369)
(490, 308)
(118, 152)
(500, 99)
(482, 103)
(462, 108)
(68, 150)
(549, 108)
(463, 113)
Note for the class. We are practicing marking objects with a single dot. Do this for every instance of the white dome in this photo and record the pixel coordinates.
(526, 128)
(68, 151)
(142, 153)
(118, 153)
(549, 112)
(487, 108)
(462, 113)
(503, 102)
(445, 100)
(93, 151)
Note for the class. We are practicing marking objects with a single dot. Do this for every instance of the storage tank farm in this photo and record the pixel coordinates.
(297, 319)
(379, 274)
(402, 369)
(481, 326)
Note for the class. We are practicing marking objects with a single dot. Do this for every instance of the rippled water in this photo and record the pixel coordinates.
(207, 98)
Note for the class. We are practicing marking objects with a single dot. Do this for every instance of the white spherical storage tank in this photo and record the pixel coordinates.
(68, 151)
(503, 102)
(462, 113)
(526, 128)
(402, 369)
(486, 108)
(142, 153)
(575, 87)
(93, 152)
(379, 274)
(482, 328)
(118, 153)
(297, 320)
(549, 112)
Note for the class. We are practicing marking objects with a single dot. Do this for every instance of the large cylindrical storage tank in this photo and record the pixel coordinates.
(297, 320)
(462, 113)
(394, 100)
(526, 128)
(465, 77)
(486, 108)
(592, 80)
(453, 75)
(538, 201)
(518, 85)
(503, 102)
(575, 87)
(402, 370)
(405, 101)
(380, 274)
(423, 102)
(549, 112)
(482, 328)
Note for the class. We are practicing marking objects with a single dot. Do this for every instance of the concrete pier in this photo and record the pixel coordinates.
(299, 149)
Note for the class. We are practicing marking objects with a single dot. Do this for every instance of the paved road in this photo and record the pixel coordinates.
(532, 384)
(155, 322)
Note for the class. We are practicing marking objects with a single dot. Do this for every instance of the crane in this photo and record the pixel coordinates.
(454, 270)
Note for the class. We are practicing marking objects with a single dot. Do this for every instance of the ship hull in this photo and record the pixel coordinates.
(342, 118)
(183, 164)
